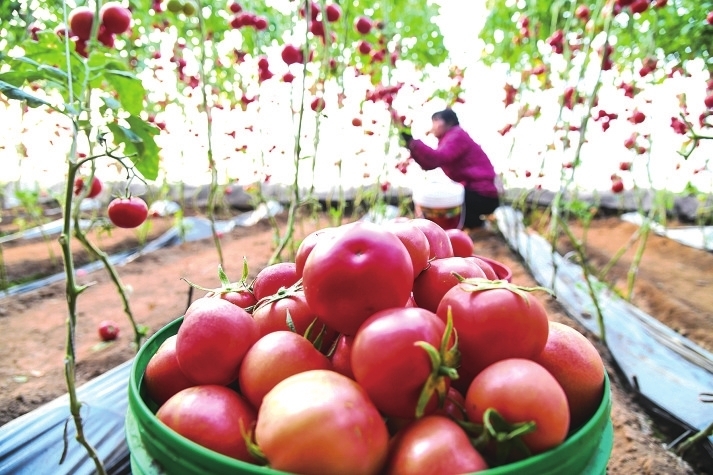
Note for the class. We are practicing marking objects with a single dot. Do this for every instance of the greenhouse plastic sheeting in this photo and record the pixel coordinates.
(699, 237)
(667, 369)
(32, 444)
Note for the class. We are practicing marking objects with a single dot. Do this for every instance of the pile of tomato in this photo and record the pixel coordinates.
(381, 349)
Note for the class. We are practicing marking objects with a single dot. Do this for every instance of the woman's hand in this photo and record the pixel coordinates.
(406, 138)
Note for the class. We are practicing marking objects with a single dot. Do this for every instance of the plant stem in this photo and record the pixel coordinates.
(295, 202)
(212, 192)
(698, 436)
(139, 332)
(582, 254)
(645, 232)
(3, 271)
(72, 291)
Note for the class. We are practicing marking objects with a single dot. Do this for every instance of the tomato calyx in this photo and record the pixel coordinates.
(253, 449)
(282, 293)
(318, 339)
(226, 286)
(444, 362)
(479, 284)
(506, 437)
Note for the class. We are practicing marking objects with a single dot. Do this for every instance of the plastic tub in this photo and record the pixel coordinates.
(440, 202)
(156, 449)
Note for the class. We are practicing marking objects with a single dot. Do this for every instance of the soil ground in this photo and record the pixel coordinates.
(672, 284)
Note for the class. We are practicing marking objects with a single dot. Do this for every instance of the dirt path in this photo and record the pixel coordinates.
(32, 329)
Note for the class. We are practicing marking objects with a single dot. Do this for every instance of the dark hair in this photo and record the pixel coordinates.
(447, 116)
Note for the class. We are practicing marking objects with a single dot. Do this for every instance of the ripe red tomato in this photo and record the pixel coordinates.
(453, 406)
(333, 12)
(521, 390)
(461, 242)
(272, 316)
(128, 212)
(271, 278)
(242, 298)
(342, 357)
(357, 272)
(306, 246)
(617, 186)
(291, 54)
(115, 18)
(576, 364)
(487, 268)
(433, 283)
(213, 339)
(439, 243)
(493, 325)
(303, 427)
(363, 25)
(415, 242)
(273, 358)
(364, 47)
(105, 37)
(163, 377)
(212, 416)
(318, 104)
(80, 22)
(108, 330)
(433, 444)
(389, 364)
(95, 189)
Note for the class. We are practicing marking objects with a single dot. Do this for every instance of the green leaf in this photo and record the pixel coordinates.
(129, 88)
(13, 92)
(138, 141)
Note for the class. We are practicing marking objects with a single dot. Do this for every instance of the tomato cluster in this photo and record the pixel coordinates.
(115, 19)
(379, 350)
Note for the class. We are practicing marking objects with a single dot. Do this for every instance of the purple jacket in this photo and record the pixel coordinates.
(460, 158)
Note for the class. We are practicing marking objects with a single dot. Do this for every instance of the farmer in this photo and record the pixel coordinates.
(463, 161)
